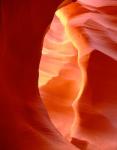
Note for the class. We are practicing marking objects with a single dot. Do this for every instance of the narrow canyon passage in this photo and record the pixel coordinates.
(68, 100)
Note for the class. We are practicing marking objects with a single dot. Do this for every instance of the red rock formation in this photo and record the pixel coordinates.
(77, 75)
(24, 122)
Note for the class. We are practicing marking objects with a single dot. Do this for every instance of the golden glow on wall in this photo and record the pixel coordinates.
(79, 92)
(78, 75)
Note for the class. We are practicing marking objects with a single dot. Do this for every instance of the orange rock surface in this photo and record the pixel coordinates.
(78, 73)
(75, 80)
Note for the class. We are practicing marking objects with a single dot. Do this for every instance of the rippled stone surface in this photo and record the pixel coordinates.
(78, 75)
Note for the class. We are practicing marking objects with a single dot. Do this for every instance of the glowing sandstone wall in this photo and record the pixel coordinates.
(78, 73)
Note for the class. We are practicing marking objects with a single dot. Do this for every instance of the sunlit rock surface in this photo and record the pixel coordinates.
(78, 73)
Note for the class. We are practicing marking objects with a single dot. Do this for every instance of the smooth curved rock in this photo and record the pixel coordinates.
(24, 122)
(79, 81)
